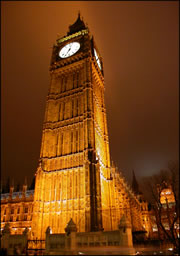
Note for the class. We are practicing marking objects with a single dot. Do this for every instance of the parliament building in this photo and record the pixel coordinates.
(75, 179)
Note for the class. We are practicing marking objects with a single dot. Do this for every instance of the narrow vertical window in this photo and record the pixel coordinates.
(70, 185)
(59, 117)
(60, 195)
(72, 109)
(77, 106)
(57, 142)
(71, 142)
(76, 186)
(61, 144)
(76, 140)
(63, 110)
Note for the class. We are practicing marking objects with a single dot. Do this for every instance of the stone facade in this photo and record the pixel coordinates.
(17, 210)
(75, 178)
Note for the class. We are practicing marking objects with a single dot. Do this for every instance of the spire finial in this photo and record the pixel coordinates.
(12, 182)
(79, 14)
(25, 180)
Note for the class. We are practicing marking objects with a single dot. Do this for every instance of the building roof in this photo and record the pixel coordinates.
(78, 25)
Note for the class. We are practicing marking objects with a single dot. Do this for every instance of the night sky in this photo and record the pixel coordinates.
(139, 44)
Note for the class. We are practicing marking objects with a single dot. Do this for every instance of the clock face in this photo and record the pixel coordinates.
(69, 49)
(97, 58)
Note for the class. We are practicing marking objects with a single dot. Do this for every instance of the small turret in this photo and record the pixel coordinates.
(11, 190)
(71, 227)
(25, 185)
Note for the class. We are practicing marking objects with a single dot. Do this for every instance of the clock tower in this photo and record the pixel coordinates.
(73, 177)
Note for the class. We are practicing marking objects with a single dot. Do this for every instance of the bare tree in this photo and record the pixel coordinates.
(164, 211)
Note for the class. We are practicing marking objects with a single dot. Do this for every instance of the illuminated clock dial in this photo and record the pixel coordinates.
(97, 58)
(69, 49)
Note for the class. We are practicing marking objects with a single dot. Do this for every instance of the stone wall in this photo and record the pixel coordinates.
(119, 241)
(13, 244)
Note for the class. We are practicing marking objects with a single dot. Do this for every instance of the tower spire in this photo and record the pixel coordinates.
(78, 25)
(135, 185)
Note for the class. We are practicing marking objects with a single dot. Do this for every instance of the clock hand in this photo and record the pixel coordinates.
(66, 54)
(69, 50)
